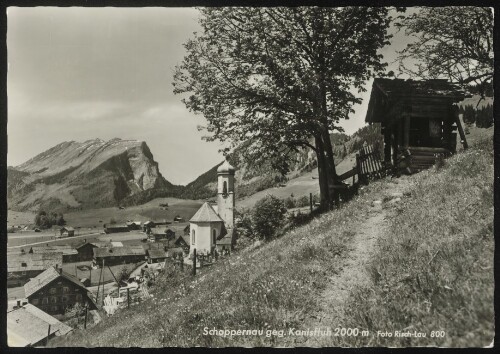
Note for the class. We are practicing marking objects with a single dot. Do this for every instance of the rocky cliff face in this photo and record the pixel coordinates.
(74, 175)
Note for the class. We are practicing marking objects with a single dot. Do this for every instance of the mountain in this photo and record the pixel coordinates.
(74, 175)
(252, 179)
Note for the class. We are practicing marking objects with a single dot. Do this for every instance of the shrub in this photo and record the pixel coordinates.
(267, 216)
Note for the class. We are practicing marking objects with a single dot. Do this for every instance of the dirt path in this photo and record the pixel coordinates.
(353, 271)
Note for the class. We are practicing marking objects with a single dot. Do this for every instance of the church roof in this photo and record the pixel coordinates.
(206, 214)
(226, 168)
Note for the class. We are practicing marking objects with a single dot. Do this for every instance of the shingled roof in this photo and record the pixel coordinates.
(156, 253)
(206, 214)
(118, 251)
(28, 325)
(45, 278)
(33, 261)
(437, 87)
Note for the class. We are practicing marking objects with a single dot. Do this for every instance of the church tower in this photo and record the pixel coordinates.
(225, 194)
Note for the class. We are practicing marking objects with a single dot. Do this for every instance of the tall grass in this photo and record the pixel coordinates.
(434, 270)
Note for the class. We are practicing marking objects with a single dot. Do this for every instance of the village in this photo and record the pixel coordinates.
(52, 284)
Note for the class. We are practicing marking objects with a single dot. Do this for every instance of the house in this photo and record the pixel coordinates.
(67, 231)
(162, 233)
(212, 223)
(21, 266)
(178, 218)
(113, 228)
(85, 250)
(181, 241)
(148, 225)
(155, 255)
(119, 255)
(53, 291)
(28, 326)
(69, 253)
(419, 120)
(134, 225)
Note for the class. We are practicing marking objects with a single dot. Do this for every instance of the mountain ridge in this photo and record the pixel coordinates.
(81, 174)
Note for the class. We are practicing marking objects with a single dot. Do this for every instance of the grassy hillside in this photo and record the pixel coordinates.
(433, 270)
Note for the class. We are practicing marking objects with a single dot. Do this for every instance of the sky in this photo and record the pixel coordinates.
(85, 73)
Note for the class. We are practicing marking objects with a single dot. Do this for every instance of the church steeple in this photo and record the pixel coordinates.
(225, 193)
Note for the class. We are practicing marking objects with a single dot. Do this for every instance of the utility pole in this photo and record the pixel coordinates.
(48, 335)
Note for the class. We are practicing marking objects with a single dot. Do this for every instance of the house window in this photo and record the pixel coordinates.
(23, 264)
(224, 188)
(53, 290)
(193, 238)
(24, 273)
(214, 236)
(53, 300)
(54, 308)
(64, 299)
(65, 290)
(77, 290)
(45, 301)
(78, 297)
(34, 301)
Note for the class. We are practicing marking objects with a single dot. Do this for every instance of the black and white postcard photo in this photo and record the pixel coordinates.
(235, 176)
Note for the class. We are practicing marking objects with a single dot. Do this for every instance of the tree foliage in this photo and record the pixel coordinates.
(267, 216)
(453, 42)
(278, 78)
(46, 221)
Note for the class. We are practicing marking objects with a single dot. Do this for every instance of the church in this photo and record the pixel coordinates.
(213, 225)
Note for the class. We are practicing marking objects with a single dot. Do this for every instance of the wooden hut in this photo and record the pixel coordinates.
(419, 120)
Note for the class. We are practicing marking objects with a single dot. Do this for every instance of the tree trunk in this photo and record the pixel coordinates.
(330, 165)
(324, 192)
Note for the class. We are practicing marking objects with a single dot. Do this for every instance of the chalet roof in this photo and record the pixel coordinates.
(158, 230)
(45, 278)
(385, 90)
(436, 87)
(117, 226)
(67, 228)
(148, 222)
(94, 244)
(180, 239)
(65, 249)
(156, 253)
(105, 252)
(29, 325)
(206, 214)
(34, 261)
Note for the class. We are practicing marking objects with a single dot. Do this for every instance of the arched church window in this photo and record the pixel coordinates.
(193, 237)
(214, 236)
(224, 188)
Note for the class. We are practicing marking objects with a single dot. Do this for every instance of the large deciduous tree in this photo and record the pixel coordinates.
(453, 42)
(279, 79)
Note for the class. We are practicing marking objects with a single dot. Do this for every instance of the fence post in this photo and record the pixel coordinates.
(194, 261)
(311, 202)
(48, 334)
(86, 311)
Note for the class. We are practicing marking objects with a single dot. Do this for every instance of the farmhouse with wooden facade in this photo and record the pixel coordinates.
(53, 291)
(419, 120)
